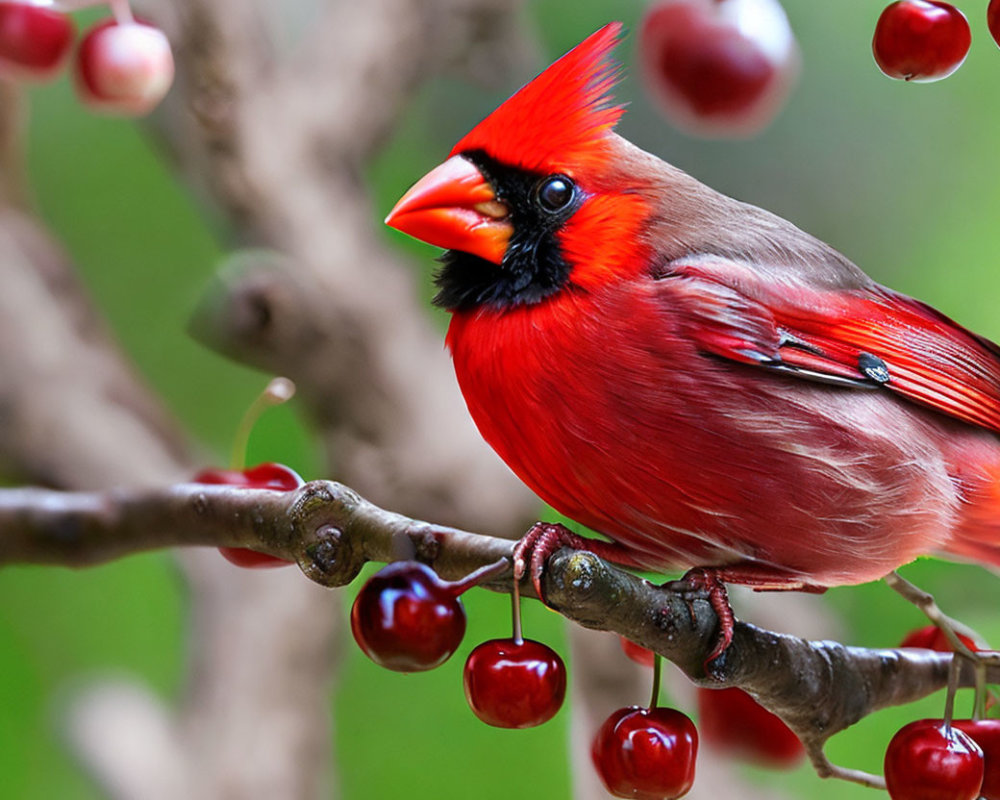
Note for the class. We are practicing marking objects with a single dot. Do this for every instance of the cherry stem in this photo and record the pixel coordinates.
(979, 708)
(949, 700)
(122, 11)
(515, 612)
(657, 671)
(477, 576)
(278, 391)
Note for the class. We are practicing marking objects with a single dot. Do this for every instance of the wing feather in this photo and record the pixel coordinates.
(729, 310)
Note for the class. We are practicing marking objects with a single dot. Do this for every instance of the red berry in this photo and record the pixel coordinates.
(512, 684)
(986, 733)
(646, 753)
(732, 721)
(718, 67)
(993, 20)
(251, 559)
(638, 653)
(921, 40)
(931, 637)
(268, 475)
(264, 476)
(927, 760)
(34, 40)
(407, 619)
(123, 68)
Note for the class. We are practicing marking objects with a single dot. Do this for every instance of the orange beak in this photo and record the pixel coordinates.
(454, 207)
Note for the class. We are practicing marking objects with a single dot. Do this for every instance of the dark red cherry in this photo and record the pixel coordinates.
(512, 684)
(985, 733)
(732, 721)
(638, 653)
(646, 753)
(929, 760)
(718, 67)
(993, 20)
(407, 619)
(34, 40)
(931, 637)
(921, 40)
(268, 475)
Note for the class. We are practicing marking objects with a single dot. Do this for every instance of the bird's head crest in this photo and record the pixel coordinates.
(561, 118)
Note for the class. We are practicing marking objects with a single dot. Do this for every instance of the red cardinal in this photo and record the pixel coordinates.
(694, 377)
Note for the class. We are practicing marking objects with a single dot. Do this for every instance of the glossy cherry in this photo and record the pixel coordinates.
(123, 68)
(638, 653)
(646, 753)
(405, 618)
(931, 637)
(514, 684)
(718, 67)
(263, 476)
(929, 760)
(985, 733)
(730, 720)
(921, 40)
(34, 40)
(993, 20)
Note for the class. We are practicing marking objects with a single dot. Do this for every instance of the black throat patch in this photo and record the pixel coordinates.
(533, 266)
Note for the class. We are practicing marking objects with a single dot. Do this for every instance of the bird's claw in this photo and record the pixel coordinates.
(535, 548)
(703, 583)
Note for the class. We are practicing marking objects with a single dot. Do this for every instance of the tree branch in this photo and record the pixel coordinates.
(73, 413)
(336, 311)
(817, 688)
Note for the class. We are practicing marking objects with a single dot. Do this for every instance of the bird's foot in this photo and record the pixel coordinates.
(542, 541)
(702, 584)
(535, 548)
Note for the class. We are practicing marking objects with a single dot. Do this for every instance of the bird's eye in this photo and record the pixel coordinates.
(555, 193)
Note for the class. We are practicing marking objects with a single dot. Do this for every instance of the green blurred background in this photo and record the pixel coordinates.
(903, 178)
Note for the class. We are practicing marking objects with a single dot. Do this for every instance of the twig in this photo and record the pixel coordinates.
(817, 688)
(376, 378)
(324, 300)
(925, 601)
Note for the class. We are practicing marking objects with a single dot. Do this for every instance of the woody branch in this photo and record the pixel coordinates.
(817, 688)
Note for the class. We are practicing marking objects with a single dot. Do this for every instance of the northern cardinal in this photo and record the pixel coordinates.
(694, 377)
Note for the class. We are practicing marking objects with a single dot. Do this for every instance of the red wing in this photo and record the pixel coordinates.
(861, 337)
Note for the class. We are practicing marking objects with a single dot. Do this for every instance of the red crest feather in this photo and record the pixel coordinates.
(560, 119)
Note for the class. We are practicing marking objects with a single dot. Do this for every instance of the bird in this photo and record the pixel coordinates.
(694, 378)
